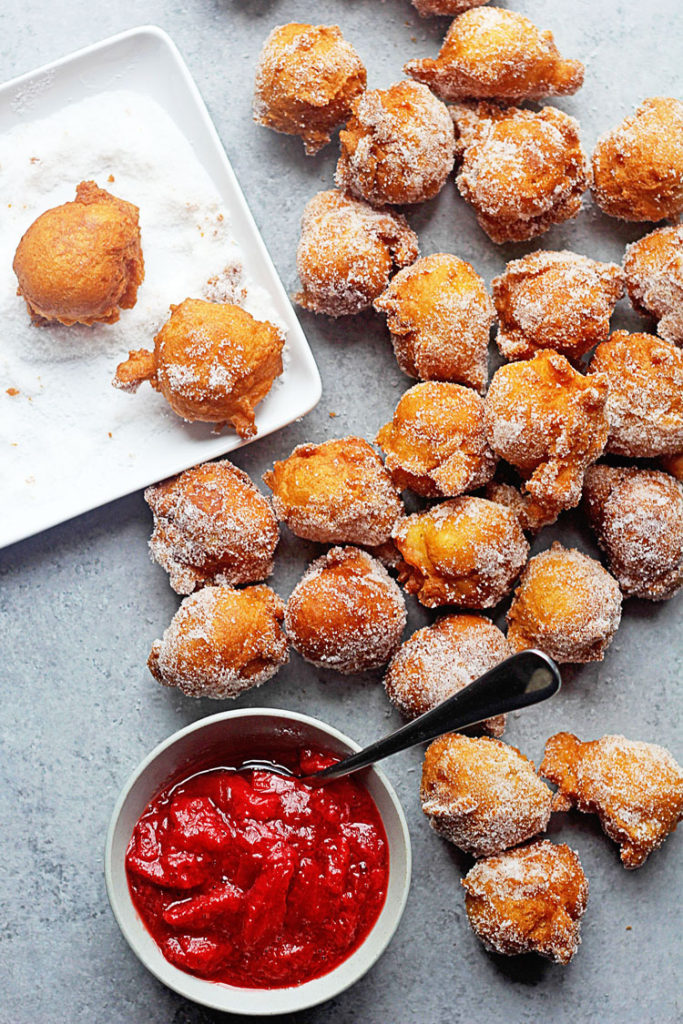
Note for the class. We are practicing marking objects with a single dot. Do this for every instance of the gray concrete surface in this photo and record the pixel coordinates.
(80, 604)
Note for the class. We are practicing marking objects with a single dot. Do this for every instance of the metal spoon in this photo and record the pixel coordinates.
(524, 679)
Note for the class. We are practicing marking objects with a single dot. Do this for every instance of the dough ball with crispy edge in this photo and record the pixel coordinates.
(81, 262)
(337, 492)
(221, 642)
(521, 170)
(440, 314)
(397, 147)
(212, 525)
(437, 661)
(529, 900)
(567, 605)
(654, 279)
(495, 54)
(466, 551)
(635, 788)
(346, 612)
(645, 400)
(673, 464)
(555, 300)
(482, 794)
(638, 166)
(306, 79)
(347, 253)
(212, 361)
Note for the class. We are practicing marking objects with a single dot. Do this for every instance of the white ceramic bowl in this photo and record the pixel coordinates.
(231, 736)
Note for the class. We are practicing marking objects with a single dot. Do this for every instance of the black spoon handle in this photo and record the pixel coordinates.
(525, 678)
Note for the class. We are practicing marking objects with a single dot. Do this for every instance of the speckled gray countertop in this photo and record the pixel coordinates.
(81, 603)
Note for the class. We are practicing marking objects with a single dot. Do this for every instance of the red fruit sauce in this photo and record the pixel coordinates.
(256, 880)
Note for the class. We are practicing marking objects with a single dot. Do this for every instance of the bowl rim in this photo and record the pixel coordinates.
(179, 981)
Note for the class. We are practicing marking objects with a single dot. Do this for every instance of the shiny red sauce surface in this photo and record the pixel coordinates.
(256, 880)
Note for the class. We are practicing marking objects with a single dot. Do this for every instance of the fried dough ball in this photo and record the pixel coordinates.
(521, 170)
(398, 146)
(221, 642)
(466, 551)
(212, 362)
(347, 253)
(426, 7)
(638, 166)
(556, 300)
(567, 605)
(673, 464)
(441, 659)
(637, 515)
(635, 788)
(654, 279)
(212, 525)
(336, 492)
(645, 400)
(435, 444)
(440, 314)
(346, 612)
(494, 54)
(81, 262)
(306, 79)
(481, 794)
(550, 422)
(529, 900)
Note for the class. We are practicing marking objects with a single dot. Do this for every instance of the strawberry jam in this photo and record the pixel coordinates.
(252, 879)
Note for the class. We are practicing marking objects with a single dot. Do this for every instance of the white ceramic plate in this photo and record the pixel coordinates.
(85, 443)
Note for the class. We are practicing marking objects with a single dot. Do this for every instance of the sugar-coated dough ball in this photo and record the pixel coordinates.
(346, 612)
(555, 300)
(521, 170)
(466, 551)
(567, 605)
(495, 54)
(673, 464)
(306, 79)
(452, 7)
(398, 146)
(635, 788)
(221, 642)
(81, 262)
(212, 525)
(529, 900)
(347, 253)
(481, 794)
(437, 661)
(638, 166)
(440, 314)
(336, 492)
(654, 279)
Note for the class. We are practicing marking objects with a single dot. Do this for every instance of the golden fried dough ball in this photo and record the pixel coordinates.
(654, 279)
(221, 642)
(437, 661)
(489, 53)
(211, 525)
(529, 900)
(398, 146)
(637, 515)
(645, 400)
(635, 788)
(306, 79)
(481, 794)
(550, 422)
(521, 170)
(336, 492)
(81, 262)
(557, 300)
(212, 362)
(346, 612)
(638, 166)
(466, 551)
(440, 314)
(435, 444)
(673, 464)
(567, 605)
(347, 253)
(426, 7)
